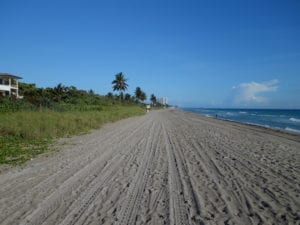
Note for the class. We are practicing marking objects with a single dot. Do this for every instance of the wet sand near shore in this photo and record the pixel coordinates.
(167, 167)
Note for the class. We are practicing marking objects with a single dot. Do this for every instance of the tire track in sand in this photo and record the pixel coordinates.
(130, 207)
(167, 167)
(178, 212)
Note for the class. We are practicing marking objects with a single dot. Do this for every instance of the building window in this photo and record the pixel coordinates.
(1, 81)
(6, 81)
(13, 82)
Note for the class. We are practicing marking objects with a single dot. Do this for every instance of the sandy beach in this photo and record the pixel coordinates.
(167, 167)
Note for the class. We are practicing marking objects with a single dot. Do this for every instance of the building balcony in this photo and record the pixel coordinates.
(4, 87)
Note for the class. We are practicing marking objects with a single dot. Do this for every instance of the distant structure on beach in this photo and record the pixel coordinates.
(9, 85)
(162, 101)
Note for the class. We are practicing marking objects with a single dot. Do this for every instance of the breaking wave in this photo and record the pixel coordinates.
(295, 120)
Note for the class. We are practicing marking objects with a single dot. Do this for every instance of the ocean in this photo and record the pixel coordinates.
(274, 118)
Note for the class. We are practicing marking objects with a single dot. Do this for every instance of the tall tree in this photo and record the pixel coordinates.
(119, 83)
(127, 97)
(143, 96)
(153, 99)
(110, 95)
(139, 94)
(60, 92)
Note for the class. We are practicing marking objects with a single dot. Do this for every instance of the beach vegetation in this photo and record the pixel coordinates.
(153, 99)
(140, 95)
(29, 125)
(120, 84)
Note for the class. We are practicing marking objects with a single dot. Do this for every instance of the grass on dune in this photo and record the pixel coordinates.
(27, 133)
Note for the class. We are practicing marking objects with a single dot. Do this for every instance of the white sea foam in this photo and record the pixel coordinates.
(291, 129)
(261, 125)
(295, 120)
(230, 114)
(276, 120)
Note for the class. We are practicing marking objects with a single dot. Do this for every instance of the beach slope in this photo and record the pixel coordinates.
(167, 167)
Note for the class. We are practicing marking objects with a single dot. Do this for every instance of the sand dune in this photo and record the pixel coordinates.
(167, 167)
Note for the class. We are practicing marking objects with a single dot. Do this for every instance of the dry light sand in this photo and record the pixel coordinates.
(167, 167)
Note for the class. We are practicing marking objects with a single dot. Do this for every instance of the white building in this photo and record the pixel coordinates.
(162, 101)
(9, 85)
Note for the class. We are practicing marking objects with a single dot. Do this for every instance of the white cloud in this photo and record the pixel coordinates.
(250, 93)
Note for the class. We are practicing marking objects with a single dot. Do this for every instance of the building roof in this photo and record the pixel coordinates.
(7, 75)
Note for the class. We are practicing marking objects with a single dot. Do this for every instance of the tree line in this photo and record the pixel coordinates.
(120, 84)
(63, 97)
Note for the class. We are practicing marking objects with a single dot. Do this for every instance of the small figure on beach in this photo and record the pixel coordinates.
(148, 107)
(216, 116)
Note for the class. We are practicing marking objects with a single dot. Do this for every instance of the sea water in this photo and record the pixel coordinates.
(274, 118)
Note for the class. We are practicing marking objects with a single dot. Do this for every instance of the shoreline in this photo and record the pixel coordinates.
(283, 119)
(250, 125)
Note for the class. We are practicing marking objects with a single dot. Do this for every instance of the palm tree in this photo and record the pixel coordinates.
(127, 97)
(139, 94)
(143, 96)
(109, 95)
(153, 99)
(119, 84)
(60, 92)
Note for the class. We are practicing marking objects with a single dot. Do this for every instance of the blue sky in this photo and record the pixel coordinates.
(202, 53)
